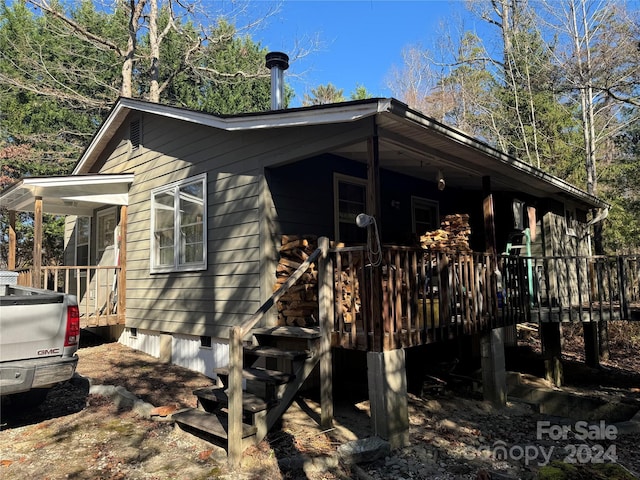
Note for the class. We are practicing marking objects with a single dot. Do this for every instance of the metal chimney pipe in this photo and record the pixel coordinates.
(277, 62)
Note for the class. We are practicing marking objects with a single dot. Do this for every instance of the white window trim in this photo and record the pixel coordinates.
(177, 267)
(337, 178)
(423, 202)
(83, 272)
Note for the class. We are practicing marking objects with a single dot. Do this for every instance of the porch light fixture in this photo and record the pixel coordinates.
(374, 249)
(440, 180)
(363, 220)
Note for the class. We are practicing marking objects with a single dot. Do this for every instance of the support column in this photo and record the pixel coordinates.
(37, 243)
(380, 341)
(489, 218)
(494, 376)
(551, 342)
(122, 263)
(490, 246)
(326, 313)
(386, 373)
(11, 260)
(591, 344)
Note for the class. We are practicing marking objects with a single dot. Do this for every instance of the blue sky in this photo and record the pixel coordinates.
(361, 39)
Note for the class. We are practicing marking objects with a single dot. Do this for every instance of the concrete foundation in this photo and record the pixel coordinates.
(386, 373)
(165, 347)
(494, 378)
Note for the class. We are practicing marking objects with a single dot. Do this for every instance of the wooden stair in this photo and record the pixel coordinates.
(275, 366)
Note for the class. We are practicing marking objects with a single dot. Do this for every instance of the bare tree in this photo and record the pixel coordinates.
(146, 16)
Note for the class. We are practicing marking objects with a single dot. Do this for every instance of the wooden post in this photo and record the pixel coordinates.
(325, 303)
(11, 260)
(490, 243)
(234, 434)
(373, 209)
(122, 262)
(37, 243)
(551, 342)
(591, 344)
(489, 218)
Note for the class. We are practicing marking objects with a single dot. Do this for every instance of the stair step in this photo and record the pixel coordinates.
(261, 375)
(250, 402)
(274, 352)
(282, 331)
(209, 423)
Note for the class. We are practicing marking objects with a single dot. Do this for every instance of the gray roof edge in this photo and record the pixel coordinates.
(400, 109)
(314, 115)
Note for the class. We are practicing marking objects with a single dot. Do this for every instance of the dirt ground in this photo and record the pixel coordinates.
(79, 435)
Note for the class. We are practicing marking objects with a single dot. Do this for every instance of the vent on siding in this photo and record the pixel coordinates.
(135, 132)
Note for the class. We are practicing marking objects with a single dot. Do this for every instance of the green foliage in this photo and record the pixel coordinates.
(557, 470)
(360, 93)
(322, 95)
(58, 80)
(233, 89)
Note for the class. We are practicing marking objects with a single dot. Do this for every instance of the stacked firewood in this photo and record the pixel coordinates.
(453, 236)
(299, 306)
(348, 292)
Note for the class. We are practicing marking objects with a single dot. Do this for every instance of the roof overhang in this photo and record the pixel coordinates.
(409, 142)
(69, 195)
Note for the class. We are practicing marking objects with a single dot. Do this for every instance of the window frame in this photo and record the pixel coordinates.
(101, 216)
(178, 265)
(421, 202)
(88, 218)
(342, 178)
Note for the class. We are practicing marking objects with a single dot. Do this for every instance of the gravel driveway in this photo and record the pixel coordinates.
(82, 435)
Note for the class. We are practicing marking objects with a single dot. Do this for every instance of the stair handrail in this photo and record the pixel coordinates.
(236, 336)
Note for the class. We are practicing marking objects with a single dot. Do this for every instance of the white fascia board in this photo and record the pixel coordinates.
(337, 113)
(106, 199)
(78, 180)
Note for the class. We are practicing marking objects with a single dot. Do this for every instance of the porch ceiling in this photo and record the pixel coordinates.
(71, 195)
(407, 147)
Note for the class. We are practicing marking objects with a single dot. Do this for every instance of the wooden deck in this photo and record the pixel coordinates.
(421, 297)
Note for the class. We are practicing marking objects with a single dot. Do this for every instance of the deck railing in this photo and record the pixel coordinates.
(99, 291)
(575, 288)
(423, 297)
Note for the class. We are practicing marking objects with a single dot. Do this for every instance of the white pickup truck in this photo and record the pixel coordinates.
(39, 335)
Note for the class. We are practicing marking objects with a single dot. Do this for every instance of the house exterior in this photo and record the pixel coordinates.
(176, 217)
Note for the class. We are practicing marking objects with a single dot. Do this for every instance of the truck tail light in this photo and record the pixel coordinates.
(73, 326)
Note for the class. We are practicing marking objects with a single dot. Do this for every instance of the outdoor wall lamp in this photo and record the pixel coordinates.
(440, 179)
(363, 220)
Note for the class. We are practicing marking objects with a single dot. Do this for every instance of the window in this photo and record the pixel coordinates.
(424, 215)
(83, 235)
(350, 199)
(178, 230)
(106, 233)
(570, 220)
